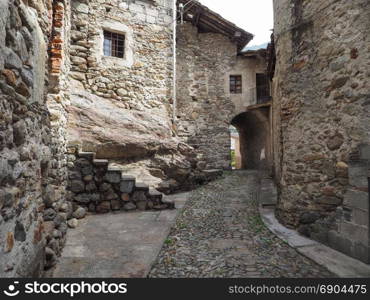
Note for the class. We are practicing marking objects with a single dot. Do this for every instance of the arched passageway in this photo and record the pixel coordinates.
(254, 138)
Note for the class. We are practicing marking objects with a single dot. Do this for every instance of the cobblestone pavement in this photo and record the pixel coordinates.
(220, 234)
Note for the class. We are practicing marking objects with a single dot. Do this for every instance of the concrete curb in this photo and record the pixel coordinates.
(336, 262)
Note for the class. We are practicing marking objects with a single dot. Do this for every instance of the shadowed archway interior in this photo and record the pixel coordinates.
(254, 133)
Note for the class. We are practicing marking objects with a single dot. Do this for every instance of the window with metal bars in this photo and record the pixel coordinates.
(114, 44)
(236, 84)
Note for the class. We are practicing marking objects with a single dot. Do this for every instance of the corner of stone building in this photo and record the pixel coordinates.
(32, 182)
(321, 112)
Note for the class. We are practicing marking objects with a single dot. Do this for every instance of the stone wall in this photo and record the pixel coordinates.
(204, 108)
(321, 116)
(33, 213)
(142, 79)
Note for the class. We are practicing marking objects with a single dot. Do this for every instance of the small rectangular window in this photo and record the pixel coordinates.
(236, 84)
(114, 44)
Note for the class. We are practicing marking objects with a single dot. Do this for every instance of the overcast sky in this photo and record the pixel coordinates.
(254, 16)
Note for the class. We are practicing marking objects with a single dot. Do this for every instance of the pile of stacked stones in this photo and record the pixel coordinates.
(101, 189)
(56, 223)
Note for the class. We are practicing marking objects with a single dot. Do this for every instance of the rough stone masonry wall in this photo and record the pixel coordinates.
(204, 110)
(142, 79)
(321, 113)
(31, 190)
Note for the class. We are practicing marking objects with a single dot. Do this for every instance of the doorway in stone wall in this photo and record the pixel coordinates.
(254, 138)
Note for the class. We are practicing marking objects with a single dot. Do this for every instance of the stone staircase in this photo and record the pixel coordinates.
(100, 187)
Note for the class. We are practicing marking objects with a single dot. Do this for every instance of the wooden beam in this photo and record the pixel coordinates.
(197, 16)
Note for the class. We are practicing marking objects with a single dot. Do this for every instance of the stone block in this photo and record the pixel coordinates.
(113, 176)
(110, 195)
(9, 197)
(92, 207)
(79, 213)
(72, 223)
(125, 197)
(91, 187)
(357, 199)
(105, 187)
(88, 170)
(83, 198)
(365, 152)
(101, 162)
(141, 187)
(77, 186)
(155, 195)
(361, 252)
(170, 203)
(358, 173)
(141, 205)
(116, 204)
(354, 232)
(103, 207)
(11, 60)
(139, 196)
(87, 155)
(360, 217)
(19, 132)
(338, 242)
(127, 184)
(129, 206)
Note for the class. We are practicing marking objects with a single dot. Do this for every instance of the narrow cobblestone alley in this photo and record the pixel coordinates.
(220, 234)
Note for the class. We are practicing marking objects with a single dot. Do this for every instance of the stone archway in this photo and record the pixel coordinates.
(255, 138)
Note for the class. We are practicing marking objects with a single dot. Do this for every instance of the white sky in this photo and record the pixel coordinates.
(254, 16)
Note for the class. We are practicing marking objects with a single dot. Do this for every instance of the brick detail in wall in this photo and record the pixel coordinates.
(56, 42)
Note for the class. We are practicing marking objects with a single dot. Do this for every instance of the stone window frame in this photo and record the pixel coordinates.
(114, 44)
(234, 89)
(111, 61)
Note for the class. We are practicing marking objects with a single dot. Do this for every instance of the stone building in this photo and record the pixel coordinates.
(322, 120)
(216, 84)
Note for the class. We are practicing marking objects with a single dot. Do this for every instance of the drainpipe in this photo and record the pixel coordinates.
(174, 94)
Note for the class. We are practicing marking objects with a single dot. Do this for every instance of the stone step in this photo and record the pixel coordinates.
(168, 202)
(127, 184)
(101, 162)
(113, 175)
(155, 195)
(139, 186)
(88, 155)
(128, 177)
